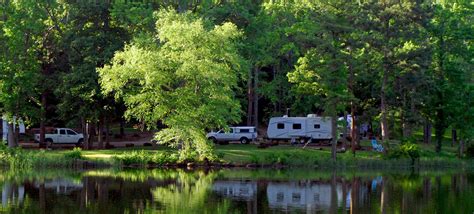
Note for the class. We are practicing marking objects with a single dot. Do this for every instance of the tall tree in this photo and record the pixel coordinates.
(184, 76)
(22, 26)
(451, 31)
(90, 41)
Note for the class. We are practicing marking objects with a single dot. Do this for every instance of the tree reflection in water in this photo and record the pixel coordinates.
(190, 194)
(235, 191)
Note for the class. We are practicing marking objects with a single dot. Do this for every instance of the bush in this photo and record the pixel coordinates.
(406, 150)
(76, 153)
(134, 157)
(16, 157)
(165, 158)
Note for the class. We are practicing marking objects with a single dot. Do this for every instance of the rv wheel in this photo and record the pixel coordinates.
(244, 140)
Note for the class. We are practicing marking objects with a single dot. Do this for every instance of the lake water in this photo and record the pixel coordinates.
(236, 191)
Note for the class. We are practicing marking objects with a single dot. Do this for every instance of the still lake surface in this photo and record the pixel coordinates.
(236, 191)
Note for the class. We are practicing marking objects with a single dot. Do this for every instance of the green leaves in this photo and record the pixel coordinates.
(186, 80)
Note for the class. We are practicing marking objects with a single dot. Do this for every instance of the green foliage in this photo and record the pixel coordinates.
(75, 154)
(135, 157)
(470, 151)
(143, 158)
(405, 150)
(186, 79)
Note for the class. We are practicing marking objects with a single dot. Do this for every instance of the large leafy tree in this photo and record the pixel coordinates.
(90, 41)
(451, 31)
(20, 41)
(324, 70)
(184, 76)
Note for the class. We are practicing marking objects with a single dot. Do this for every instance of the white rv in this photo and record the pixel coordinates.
(310, 127)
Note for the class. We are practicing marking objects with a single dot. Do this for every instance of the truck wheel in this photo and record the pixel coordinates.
(49, 143)
(213, 139)
(80, 142)
(244, 140)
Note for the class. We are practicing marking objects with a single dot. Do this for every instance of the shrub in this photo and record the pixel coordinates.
(165, 158)
(16, 158)
(134, 157)
(407, 150)
(76, 153)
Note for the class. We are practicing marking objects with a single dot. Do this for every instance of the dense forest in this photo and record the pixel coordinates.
(184, 67)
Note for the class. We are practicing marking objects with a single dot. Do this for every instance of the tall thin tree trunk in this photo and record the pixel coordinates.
(16, 131)
(461, 148)
(11, 136)
(383, 111)
(122, 127)
(383, 102)
(454, 137)
(427, 132)
(354, 132)
(255, 98)
(42, 143)
(107, 130)
(249, 98)
(100, 139)
(84, 132)
(334, 137)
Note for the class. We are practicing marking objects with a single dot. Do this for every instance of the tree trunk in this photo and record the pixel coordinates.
(122, 127)
(255, 97)
(100, 140)
(383, 119)
(42, 143)
(16, 131)
(334, 137)
(84, 132)
(454, 137)
(11, 136)
(383, 104)
(439, 132)
(461, 148)
(107, 130)
(249, 98)
(354, 132)
(427, 132)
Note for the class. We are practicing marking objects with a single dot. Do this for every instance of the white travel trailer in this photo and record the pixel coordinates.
(310, 127)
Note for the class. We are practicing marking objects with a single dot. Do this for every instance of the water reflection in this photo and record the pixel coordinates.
(237, 191)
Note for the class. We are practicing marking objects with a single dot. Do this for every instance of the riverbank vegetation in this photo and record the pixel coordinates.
(233, 156)
(182, 68)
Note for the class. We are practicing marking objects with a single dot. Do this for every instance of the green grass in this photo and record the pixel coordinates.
(250, 154)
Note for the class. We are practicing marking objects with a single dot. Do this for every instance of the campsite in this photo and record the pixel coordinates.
(236, 106)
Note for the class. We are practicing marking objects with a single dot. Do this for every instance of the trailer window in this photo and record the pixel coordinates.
(296, 125)
(244, 131)
(280, 126)
(317, 126)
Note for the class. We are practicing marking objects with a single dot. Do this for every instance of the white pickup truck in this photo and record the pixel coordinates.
(244, 134)
(62, 135)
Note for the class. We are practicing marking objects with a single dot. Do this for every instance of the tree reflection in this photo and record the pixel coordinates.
(190, 194)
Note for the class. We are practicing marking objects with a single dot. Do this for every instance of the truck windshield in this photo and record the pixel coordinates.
(70, 132)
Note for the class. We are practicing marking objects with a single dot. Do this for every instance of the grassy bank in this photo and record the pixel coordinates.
(229, 155)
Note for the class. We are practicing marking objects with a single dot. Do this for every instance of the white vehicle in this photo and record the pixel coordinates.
(62, 135)
(310, 127)
(244, 134)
